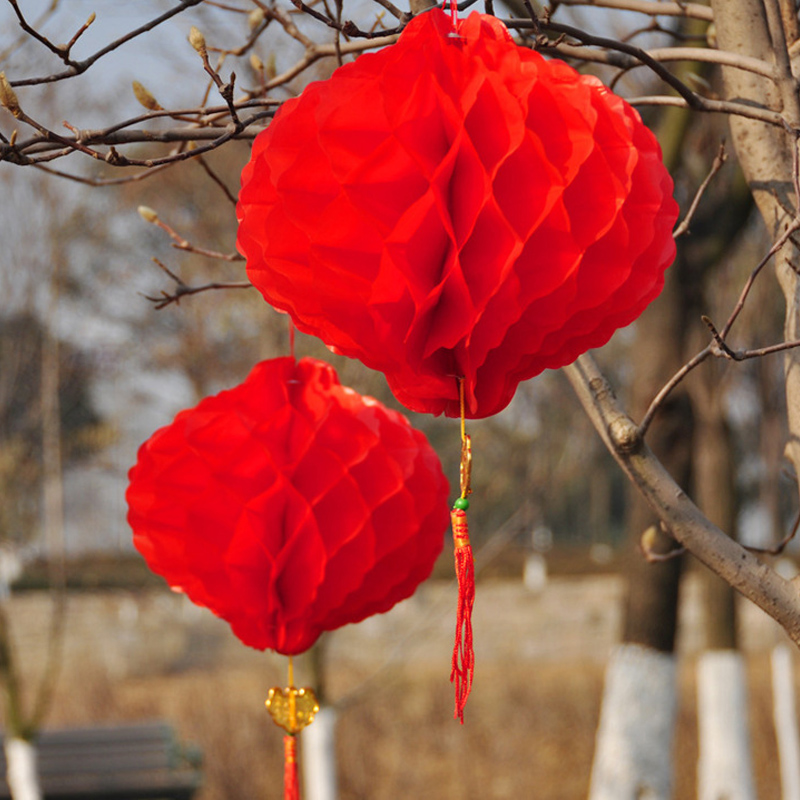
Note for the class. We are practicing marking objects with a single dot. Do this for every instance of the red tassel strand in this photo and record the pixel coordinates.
(291, 787)
(463, 663)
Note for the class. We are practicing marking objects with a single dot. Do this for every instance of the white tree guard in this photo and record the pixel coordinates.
(725, 770)
(319, 756)
(633, 753)
(786, 729)
(23, 780)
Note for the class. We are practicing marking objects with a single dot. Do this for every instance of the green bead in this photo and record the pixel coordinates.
(462, 504)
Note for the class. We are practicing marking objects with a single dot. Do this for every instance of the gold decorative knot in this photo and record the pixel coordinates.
(292, 709)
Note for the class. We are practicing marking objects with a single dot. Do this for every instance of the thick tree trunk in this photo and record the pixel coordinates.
(765, 153)
(21, 769)
(632, 758)
(319, 756)
(634, 739)
(725, 769)
(787, 733)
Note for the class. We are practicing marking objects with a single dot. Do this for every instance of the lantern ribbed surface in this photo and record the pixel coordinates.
(456, 206)
(289, 505)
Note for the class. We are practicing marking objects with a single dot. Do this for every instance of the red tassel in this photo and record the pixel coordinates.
(463, 663)
(291, 787)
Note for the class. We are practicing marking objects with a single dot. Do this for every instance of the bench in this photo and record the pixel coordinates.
(114, 762)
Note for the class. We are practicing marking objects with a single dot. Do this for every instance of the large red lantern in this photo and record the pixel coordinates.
(289, 505)
(455, 206)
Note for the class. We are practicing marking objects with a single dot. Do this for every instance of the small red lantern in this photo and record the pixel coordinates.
(455, 206)
(289, 505)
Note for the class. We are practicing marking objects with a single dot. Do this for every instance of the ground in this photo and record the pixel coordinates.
(530, 722)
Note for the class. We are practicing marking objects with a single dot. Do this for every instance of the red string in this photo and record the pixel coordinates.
(291, 788)
(453, 10)
(462, 666)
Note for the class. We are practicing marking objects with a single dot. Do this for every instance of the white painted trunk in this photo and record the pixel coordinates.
(319, 756)
(786, 730)
(21, 769)
(633, 754)
(725, 771)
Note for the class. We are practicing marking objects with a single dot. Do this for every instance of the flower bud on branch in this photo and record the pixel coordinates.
(148, 214)
(8, 97)
(144, 96)
(198, 41)
(255, 18)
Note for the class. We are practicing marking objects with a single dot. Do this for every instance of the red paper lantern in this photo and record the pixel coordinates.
(456, 206)
(289, 505)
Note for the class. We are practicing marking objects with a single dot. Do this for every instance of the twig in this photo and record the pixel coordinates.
(225, 89)
(651, 7)
(692, 99)
(792, 227)
(401, 16)
(61, 51)
(716, 166)
(139, 176)
(781, 546)
(719, 346)
(787, 84)
(183, 289)
(80, 67)
(722, 349)
(180, 243)
(667, 388)
(214, 177)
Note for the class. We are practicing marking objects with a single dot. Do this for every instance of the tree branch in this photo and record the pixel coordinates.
(685, 522)
(79, 67)
(654, 8)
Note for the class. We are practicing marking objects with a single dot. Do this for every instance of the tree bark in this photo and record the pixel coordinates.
(765, 153)
(725, 769)
(632, 758)
(785, 716)
(319, 756)
(21, 772)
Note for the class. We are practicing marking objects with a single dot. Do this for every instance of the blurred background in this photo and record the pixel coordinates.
(89, 369)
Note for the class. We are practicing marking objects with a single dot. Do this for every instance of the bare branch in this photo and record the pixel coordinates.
(399, 15)
(663, 55)
(654, 8)
(716, 166)
(79, 67)
(61, 52)
(720, 348)
(216, 178)
(183, 289)
(781, 546)
(180, 243)
(787, 85)
(791, 228)
(668, 387)
(692, 99)
(685, 522)
(709, 105)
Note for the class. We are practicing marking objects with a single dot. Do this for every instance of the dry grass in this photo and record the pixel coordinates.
(530, 724)
(528, 734)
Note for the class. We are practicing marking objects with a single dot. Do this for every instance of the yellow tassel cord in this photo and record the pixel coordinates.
(291, 709)
(462, 667)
